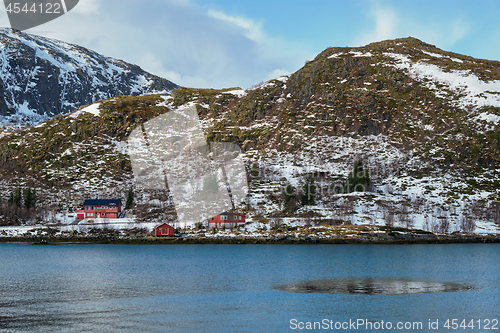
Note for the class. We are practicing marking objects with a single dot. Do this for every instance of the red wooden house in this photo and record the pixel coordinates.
(100, 208)
(225, 220)
(164, 230)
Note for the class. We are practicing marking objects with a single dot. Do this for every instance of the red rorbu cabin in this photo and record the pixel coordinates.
(225, 220)
(100, 208)
(164, 230)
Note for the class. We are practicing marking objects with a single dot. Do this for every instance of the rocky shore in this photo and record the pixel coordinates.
(379, 238)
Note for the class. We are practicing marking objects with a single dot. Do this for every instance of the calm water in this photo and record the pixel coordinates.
(239, 288)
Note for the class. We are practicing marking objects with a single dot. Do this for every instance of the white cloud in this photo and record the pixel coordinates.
(386, 22)
(252, 30)
(188, 44)
(458, 30)
(277, 73)
(385, 25)
(173, 76)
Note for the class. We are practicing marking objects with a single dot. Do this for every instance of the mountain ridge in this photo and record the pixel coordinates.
(42, 77)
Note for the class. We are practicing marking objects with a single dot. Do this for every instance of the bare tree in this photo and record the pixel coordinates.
(493, 212)
(444, 224)
(275, 222)
(434, 225)
(388, 217)
(467, 224)
(427, 224)
(405, 218)
(347, 207)
(478, 209)
(308, 219)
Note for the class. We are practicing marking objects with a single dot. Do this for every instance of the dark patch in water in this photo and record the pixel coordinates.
(373, 287)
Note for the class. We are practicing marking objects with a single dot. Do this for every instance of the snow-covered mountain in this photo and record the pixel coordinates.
(42, 77)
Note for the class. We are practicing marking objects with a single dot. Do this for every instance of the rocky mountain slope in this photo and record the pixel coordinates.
(42, 77)
(425, 122)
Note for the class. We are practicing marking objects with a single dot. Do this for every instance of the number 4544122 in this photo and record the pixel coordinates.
(40, 8)
(479, 324)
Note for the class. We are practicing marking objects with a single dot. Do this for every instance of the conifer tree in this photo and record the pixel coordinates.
(358, 180)
(290, 199)
(17, 197)
(130, 198)
(308, 192)
(10, 201)
(255, 171)
(30, 198)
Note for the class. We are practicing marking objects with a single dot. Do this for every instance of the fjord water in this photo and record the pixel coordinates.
(237, 288)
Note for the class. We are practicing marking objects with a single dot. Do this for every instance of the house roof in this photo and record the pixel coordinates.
(163, 224)
(227, 213)
(102, 202)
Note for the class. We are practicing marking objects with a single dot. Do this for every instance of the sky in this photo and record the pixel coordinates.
(240, 43)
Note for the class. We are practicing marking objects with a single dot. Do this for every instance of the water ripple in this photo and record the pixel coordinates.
(373, 287)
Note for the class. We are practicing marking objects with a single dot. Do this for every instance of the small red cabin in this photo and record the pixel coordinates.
(225, 220)
(164, 230)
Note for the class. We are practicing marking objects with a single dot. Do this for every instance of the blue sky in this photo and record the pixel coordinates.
(223, 43)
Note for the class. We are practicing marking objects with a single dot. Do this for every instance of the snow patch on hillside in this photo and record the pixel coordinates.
(167, 101)
(472, 91)
(432, 54)
(238, 92)
(361, 54)
(92, 109)
(488, 117)
(283, 78)
(66, 56)
(355, 54)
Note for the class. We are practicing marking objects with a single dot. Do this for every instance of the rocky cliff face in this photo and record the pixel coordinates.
(42, 77)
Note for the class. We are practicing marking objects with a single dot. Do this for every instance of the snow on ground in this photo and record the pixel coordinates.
(336, 155)
(425, 210)
(283, 78)
(52, 49)
(271, 83)
(92, 109)
(473, 91)
(139, 84)
(437, 55)
(361, 54)
(167, 101)
(238, 92)
(429, 198)
(355, 54)
(33, 229)
(335, 55)
(488, 117)
(432, 54)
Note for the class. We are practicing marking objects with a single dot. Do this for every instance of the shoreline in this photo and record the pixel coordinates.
(380, 238)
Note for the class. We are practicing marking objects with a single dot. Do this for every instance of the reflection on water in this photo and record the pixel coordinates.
(372, 287)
